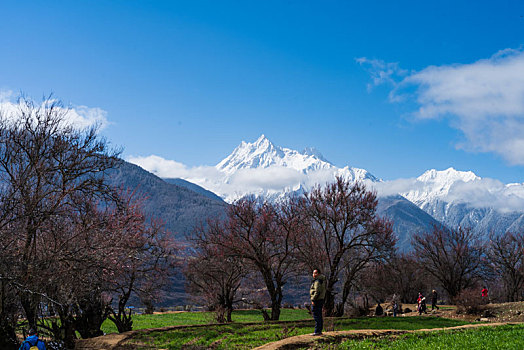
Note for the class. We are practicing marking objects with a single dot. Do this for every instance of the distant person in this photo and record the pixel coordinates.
(421, 304)
(484, 294)
(318, 293)
(32, 342)
(379, 311)
(395, 308)
(434, 298)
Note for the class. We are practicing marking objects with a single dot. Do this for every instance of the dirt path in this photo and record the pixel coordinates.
(304, 341)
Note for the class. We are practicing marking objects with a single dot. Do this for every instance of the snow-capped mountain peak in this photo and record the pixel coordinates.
(448, 175)
(263, 154)
(311, 151)
(267, 170)
(434, 184)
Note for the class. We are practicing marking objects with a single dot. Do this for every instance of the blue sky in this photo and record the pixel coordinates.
(393, 87)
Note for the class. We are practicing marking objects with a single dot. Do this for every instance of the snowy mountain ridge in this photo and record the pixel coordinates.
(264, 154)
(435, 184)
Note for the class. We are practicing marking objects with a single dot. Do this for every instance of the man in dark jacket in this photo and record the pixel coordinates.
(318, 293)
(434, 298)
(32, 341)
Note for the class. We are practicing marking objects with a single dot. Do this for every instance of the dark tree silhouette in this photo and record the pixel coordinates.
(506, 255)
(454, 257)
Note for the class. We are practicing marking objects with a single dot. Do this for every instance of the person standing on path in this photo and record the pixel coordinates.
(434, 298)
(317, 293)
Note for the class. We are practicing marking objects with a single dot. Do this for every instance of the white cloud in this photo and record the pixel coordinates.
(394, 187)
(484, 99)
(270, 180)
(83, 116)
(273, 180)
(488, 193)
(79, 116)
(381, 72)
(480, 193)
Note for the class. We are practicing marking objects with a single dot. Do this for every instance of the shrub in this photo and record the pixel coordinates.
(470, 301)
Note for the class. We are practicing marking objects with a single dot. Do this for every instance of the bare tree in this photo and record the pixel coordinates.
(401, 275)
(506, 255)
(46, 166)
(344, 234)
(454, 257)
(263, 236)
(67, 239)
(213, 276)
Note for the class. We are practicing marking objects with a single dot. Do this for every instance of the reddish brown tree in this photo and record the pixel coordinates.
(65, 235)
(46, 165)
(213, 277)
(344, 234)
(264, 237)
(453, 257)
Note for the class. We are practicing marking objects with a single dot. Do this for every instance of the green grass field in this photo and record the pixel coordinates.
(241, 336)
(196, 318)
(502, 337)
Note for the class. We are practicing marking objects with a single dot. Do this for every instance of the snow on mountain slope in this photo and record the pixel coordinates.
(263, 169)
(453, 197)
(264, 154)
(461, 198)
(437, 184)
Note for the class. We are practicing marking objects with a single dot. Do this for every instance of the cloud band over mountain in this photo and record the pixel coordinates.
(264, 169)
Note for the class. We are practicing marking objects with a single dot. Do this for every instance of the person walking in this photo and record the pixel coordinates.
(32, 342)
(434, 298)
(423, 306)
(419, 303)
(317, 293)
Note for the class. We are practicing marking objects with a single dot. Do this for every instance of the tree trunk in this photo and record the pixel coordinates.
(29, 305)
(329, 303)
(8, 338)
(228, 314)
(339, 309)
(275, 311)
(265, 315)
(90, 315)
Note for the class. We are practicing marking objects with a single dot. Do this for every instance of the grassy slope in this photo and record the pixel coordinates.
(195, 318)
(238, 336)
(502, 337)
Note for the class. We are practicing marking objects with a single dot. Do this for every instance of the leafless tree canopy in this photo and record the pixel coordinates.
(64, 233)
(344, 235)
(453, 256)
(506, 255)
